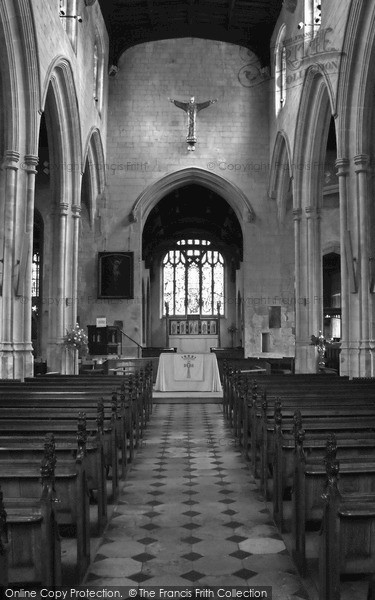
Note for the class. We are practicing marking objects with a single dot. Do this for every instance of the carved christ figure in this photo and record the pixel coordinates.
(192, 108)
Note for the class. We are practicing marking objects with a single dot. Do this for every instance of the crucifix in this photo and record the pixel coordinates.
(192, 108)
(188, 365)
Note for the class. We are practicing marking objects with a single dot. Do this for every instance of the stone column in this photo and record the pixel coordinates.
(361, 162)
(76, 215)
(10, 166)
(342, 165)
(24, 367)
(57, 356)
(314, 275)
(73, 366)
(300, 305)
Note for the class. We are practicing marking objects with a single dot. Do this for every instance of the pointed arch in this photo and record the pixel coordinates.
(9, 96)
(281, 175)
(31, 75)
(94, 150)
(61, 107)
(312, 125)
(93, 163)
(228, 190)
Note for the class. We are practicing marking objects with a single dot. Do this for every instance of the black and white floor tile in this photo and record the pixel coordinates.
(190, 513)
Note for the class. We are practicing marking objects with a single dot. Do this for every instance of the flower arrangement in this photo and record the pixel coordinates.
(76, 339)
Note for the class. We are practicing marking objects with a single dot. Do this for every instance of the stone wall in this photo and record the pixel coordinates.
(147, 141)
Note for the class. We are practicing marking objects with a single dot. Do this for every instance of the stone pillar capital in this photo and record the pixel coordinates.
(297, 213)
(342, 166)
(361, 162)
(30, 163)
(76, 211)
(312, 212)
(11, 159)
(62, 209)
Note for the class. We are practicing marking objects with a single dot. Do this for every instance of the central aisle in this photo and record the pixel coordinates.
(190, 513)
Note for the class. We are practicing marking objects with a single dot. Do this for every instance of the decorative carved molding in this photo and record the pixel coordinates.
(63, 208)
(76, 211)
(312, 212)
(342, 166)
(11, 160)
(362, 163)
(30, 163)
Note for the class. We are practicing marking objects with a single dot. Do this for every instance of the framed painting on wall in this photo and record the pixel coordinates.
(116, 275)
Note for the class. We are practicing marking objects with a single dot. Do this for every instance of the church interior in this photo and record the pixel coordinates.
(187, 296)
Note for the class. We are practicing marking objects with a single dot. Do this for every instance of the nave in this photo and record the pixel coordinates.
(190, 513)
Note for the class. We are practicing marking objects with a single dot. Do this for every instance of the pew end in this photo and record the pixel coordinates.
(34, 549)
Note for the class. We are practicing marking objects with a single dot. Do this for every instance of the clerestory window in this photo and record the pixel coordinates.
(193, 279)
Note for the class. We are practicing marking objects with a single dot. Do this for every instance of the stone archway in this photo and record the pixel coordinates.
(312, 128)
(181, 207)
(63, 211)
(228, 190)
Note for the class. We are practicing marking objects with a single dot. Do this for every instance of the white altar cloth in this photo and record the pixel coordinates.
(186, 372)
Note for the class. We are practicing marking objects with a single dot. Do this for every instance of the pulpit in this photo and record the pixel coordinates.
(104, 340)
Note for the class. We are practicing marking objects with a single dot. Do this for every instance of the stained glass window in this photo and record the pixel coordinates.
(193, 278)
(35, 275)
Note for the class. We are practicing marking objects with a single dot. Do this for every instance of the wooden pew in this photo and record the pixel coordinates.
(243, 399)
(135, 405)
(30, 530)
(20, 479)
(325, 414)
(353, 443)
(4, 579)
(66, 445)
(347, 537)
(46, 416)
(251, 414)
(357, 475)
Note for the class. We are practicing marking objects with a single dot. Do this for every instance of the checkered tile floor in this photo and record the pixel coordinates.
(190, 513)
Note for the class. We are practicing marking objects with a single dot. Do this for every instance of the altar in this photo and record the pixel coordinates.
(191, 343)
(188, 372)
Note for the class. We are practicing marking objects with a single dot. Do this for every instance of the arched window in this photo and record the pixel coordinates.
(98, 66)
(35, 275)
(193, 279)
(280, 70)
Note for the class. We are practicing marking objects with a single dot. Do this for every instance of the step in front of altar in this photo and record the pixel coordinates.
(175, 397)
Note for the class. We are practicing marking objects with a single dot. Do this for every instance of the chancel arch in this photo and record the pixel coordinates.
(227, 189)
(192, 247)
